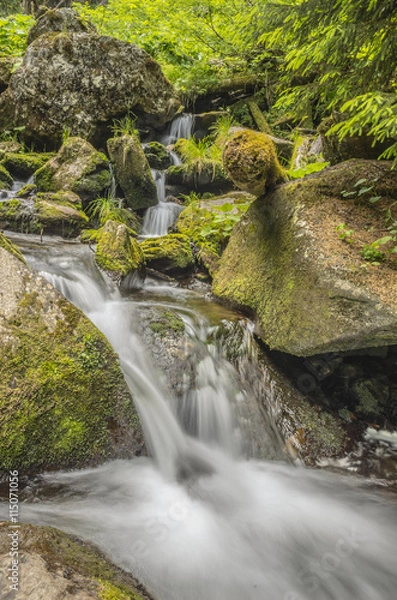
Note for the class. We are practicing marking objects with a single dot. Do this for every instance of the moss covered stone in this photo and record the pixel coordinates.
(66, 567)
(250, 160)
(19, 215)
(170, 253)
(157, 156)
(119, 253)
(5, 178)
(309, 290)
(23, 165)
(167, 323)
(11, 248)
(77, 167)
(60, 213)
(132, 171)
(64, 401)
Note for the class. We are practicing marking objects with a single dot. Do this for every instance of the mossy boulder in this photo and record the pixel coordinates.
(23, 165)
(132, 171)
(58, 21)
(67, 568)
(157, 156)
(60, 213)
(5, 178)
(78, 168)
(250, 160)
(310, 291)
(211, 179)
(120, 255)
(64, 401)
(19, 215)
(171, 254)
(102, 79)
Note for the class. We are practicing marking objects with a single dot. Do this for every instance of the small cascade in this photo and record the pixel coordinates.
(158, 219)
(15, 188)
(181, 127)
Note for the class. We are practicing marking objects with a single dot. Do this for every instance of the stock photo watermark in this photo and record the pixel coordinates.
(328, 564)
(13, 513)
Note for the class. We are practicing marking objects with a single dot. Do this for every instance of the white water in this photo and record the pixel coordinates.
(181, 127)
(17, 185)
(158, 219)
(197, 523)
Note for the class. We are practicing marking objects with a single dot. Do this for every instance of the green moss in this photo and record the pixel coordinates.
(27, 190)
(58, 214)
(117, 250)
(24, 165)
(5, 178)
(44, 179)
(250, 160)
(60, 550)
(60, 389)
(157, 156)
(11, 248)
(89, 235)
(166, 323)
(169, 252)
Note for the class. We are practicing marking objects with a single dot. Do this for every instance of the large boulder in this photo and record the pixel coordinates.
(23, 164)
(78, 168)
(82, 82)
(310, 291)
(119, 254)
(132, 171)
(250, 160)
(7, 65)
(63, 398)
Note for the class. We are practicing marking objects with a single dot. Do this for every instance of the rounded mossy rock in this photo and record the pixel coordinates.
(64, 401)
(58, 21)
(67, 568)
(157, 156)
(132, 171)
(19, 215)
(250, 160)
(103, 79)
(5, 178)
(171, 254)
(24, 164)
(119, 254)
(77, 167)
(60, 213)
(310, 291)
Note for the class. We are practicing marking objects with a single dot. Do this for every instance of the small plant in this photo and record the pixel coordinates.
(66, 134)
(363, 187)
(220, 131)
(103, 209)
(344, 233)
(308, 169)
(372, 253)
(125, 126)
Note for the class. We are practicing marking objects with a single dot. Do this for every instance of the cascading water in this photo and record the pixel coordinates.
(17, 185)
(158, 219)
(197, 523)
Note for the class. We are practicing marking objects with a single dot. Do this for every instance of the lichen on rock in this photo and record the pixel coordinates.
(309, 291)
(77, 167)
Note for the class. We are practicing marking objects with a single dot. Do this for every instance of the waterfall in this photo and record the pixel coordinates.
(181, 127)
(158, 219)
(197, 521)
(17, 185)
(113, 184)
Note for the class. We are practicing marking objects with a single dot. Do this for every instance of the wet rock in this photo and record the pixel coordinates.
(157, 156)
(169, 254)
(78, 168)
(59, 21)
(211, 179)
(132, 171)
(250, 160)
(311, 292)
(120, 255)
(23, 165)
(57, 566)
(60, 214)
(64, 400)
(82, 82)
